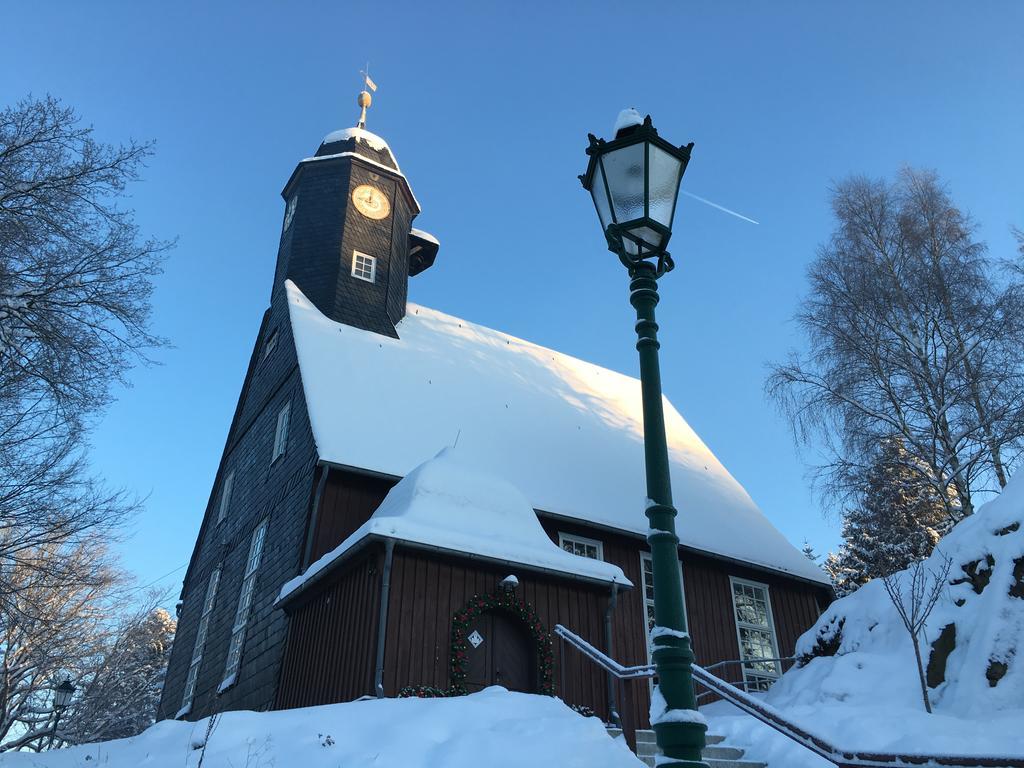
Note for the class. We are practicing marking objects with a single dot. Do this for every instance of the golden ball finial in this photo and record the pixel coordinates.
(364, 99)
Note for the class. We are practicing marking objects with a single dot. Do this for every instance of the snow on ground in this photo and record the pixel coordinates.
(866, 695)
(491, 729)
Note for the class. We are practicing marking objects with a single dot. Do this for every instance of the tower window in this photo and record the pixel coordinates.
(364, 267)
(281, 433)
(270, 344)
(289, 211)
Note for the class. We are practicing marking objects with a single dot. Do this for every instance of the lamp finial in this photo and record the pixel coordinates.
(365, 99)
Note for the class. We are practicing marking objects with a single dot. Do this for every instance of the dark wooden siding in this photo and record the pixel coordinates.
(332, 638)
(347, 502)
(427, 589)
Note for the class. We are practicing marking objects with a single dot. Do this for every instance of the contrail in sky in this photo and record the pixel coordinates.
(719, 207)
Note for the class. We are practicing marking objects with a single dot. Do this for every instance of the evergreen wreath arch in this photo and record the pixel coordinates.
(508, 603)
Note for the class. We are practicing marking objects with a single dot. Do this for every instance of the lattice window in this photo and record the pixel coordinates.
(582, 546)
(252, 565)
(755, 631)
(281, 433)
(197, 649)
(364, 267)
(225, 496)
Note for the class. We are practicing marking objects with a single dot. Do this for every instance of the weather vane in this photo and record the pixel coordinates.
(365, 99)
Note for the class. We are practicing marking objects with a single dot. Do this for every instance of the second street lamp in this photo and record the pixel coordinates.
(634, 181)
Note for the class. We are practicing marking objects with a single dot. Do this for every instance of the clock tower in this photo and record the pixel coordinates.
(347, 239)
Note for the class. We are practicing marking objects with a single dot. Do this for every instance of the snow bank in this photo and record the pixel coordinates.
(494, 728)
(567, 433)
(860, 687)
(449, 503)
(981, 613)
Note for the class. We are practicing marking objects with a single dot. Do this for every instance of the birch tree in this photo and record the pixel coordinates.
(912, 333)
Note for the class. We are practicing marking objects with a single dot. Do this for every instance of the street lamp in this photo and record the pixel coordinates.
(61, 698)
(634, 180)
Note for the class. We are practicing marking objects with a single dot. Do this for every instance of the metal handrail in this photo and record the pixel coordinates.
(606, 662)
(775, 719)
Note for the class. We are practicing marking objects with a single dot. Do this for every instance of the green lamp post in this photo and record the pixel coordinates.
(634, 180)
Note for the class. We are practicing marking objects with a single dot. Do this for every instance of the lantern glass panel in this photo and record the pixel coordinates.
(599, 190)
(624, 172)
(665, 174)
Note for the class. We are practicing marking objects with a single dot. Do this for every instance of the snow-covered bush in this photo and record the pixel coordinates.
(859, 653)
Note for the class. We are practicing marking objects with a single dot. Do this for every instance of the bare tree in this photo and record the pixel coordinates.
(75, 287)
(911, 335)
(119, 694)
(50, 632)
(914, 592)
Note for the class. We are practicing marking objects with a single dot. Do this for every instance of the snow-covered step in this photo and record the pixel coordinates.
(716, 754)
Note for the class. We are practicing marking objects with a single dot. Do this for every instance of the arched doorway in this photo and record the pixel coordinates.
(501, 652)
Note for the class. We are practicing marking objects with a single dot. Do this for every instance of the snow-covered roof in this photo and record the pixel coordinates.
(372, 139)
(424, 235)
(567, 433)
(450, 504)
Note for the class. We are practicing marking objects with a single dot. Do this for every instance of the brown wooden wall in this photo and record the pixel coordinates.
(332, 638)
(347, 501)
(427, 590)
(332, 641)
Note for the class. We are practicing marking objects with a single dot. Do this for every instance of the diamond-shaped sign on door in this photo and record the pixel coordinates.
(475, 639)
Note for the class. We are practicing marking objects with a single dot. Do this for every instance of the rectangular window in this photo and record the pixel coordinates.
(364, 267)
(225, 496)
(270, 344)
(252, 565)
(281, 433)
(755, 630)
(581, 546)
(197, 649)
(647, 574)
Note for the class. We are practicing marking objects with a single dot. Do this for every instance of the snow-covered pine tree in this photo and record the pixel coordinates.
(809, 552)
(122, 692)
(897, 520)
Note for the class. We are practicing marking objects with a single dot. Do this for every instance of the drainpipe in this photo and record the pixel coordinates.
(314, 516)
(613, 706)
(382, 621)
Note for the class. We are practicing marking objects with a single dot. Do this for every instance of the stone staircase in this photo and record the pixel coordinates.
(716, 754)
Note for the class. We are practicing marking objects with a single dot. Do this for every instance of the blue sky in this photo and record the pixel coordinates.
(487, 107)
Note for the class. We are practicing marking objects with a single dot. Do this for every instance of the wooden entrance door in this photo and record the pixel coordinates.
(502, 656)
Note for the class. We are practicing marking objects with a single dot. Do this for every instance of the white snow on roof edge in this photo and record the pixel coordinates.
(449, 503)
(567, 433)
(424, 235)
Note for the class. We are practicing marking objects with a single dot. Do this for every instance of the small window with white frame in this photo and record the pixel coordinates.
(755, 631)
(225, 496)
(364, 267)
(647, 577)
(252, 565)
(281, 432)
(580, 545)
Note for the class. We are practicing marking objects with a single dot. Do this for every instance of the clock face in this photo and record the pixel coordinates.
(371, 202)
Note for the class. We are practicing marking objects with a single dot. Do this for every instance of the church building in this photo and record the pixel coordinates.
(408, 503)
